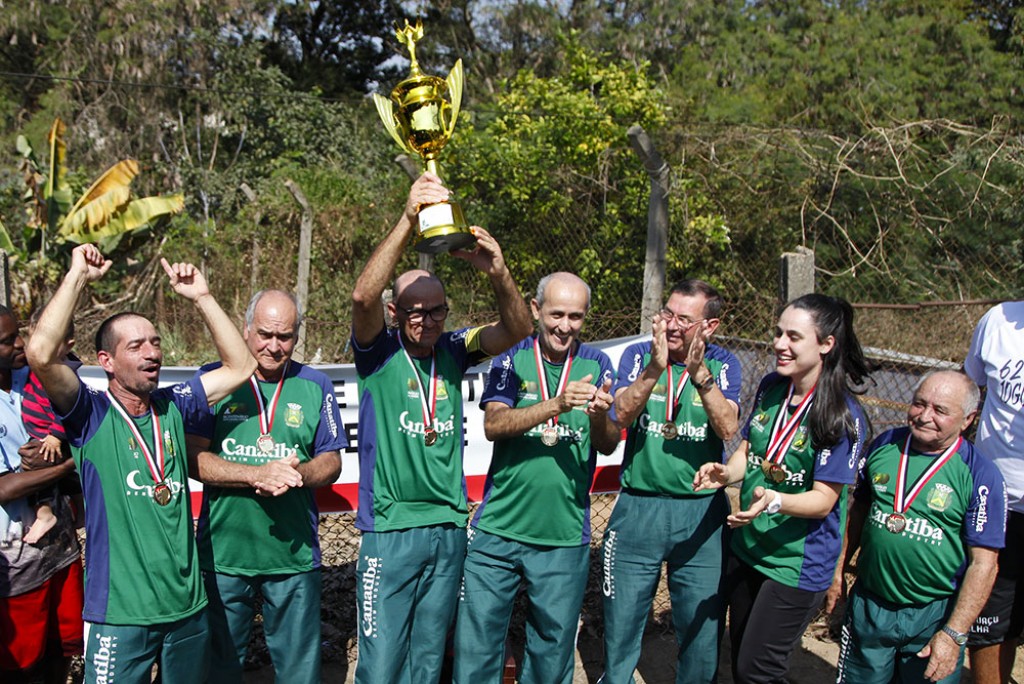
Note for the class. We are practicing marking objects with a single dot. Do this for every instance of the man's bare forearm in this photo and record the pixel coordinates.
(505, 422)
(321, 470)
(630, 400)
(723, 415)
(975, 589)
(17, 485)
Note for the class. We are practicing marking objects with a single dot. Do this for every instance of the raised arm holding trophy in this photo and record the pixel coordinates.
(422, 120)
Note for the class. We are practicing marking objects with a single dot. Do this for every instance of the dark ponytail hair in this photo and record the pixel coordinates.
(844, 369)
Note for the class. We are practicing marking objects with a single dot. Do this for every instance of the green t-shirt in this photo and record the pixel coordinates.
(535, 493)
(653, 464)
(140, 560)
(403, 482)
(306, 423)
(961, 505)
(797, 552)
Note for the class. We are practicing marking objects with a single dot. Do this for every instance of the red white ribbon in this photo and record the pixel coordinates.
(784, 430)
(542, 379)
(156, 463)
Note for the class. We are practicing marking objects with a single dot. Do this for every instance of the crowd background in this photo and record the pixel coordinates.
(885, 136)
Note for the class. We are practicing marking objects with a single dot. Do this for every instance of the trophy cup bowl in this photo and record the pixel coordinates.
(420, 115)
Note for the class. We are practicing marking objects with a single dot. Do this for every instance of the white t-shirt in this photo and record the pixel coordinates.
(996, 362)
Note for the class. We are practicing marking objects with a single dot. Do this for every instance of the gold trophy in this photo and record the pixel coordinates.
(421, 120)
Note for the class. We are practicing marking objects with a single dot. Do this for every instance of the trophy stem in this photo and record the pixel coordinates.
(432, 167)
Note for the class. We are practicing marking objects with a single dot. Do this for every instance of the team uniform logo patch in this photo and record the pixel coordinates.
(293, 415)
(939, 497)
(800, 441)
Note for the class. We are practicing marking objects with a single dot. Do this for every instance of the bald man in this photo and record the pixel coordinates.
(412, 500)
(929, 518)
(275, 440)
(546, 404)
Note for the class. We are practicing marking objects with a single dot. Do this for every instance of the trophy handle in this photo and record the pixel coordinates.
(388, 117)
(454, 82)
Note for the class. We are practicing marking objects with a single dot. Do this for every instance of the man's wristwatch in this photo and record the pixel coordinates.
(775, 505)
(959, 637)
(706, 385)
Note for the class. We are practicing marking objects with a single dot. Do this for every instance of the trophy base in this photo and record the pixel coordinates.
(443, 229)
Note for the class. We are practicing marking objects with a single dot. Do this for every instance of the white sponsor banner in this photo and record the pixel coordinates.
(477, 450)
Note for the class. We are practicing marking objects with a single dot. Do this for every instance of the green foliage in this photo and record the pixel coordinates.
(550, 173)
(884, 134)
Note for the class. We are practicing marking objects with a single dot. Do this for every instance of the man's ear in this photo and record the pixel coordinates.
(105, 360)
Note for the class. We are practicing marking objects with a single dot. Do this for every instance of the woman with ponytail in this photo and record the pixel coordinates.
(802, 446)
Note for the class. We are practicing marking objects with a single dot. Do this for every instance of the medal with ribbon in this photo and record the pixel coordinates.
(782, 435)
(896, 522)
(549, 434)
(265, 442)
(669, 430)
(155, 458)
(428, 403)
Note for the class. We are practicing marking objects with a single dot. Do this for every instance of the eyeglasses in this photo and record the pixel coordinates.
(416, 316)
(682, 322)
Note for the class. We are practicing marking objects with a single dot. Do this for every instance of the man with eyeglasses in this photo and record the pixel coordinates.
(546, 402)
(678, 396)
(412, 500)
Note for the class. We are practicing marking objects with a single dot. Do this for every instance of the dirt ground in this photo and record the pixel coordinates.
(813, 663)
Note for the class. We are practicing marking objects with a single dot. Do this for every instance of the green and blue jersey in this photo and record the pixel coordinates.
(962, 505)
(797, 552)
(535, 493)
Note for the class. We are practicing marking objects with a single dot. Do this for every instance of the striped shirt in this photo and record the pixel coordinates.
(36, 411)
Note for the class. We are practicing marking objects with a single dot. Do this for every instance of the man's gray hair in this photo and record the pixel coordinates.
(542, 286)
(250, 311)
(972, 395)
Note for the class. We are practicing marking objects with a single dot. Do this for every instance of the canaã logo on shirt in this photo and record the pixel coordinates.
(687, 430)
(795, 478)
(565, 433)
(233, 450)
(917, 529)
(137, 485)
(417, 428)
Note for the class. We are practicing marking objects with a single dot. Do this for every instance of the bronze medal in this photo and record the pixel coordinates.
(265, 444)
(430, 436)
(549, 436)
(669, 430)
(773, 472)
(162, 494)
(895, 523)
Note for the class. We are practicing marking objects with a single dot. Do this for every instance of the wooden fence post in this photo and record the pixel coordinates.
(657, 224)
(254, 275)
(5, 279)
(305, 250)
